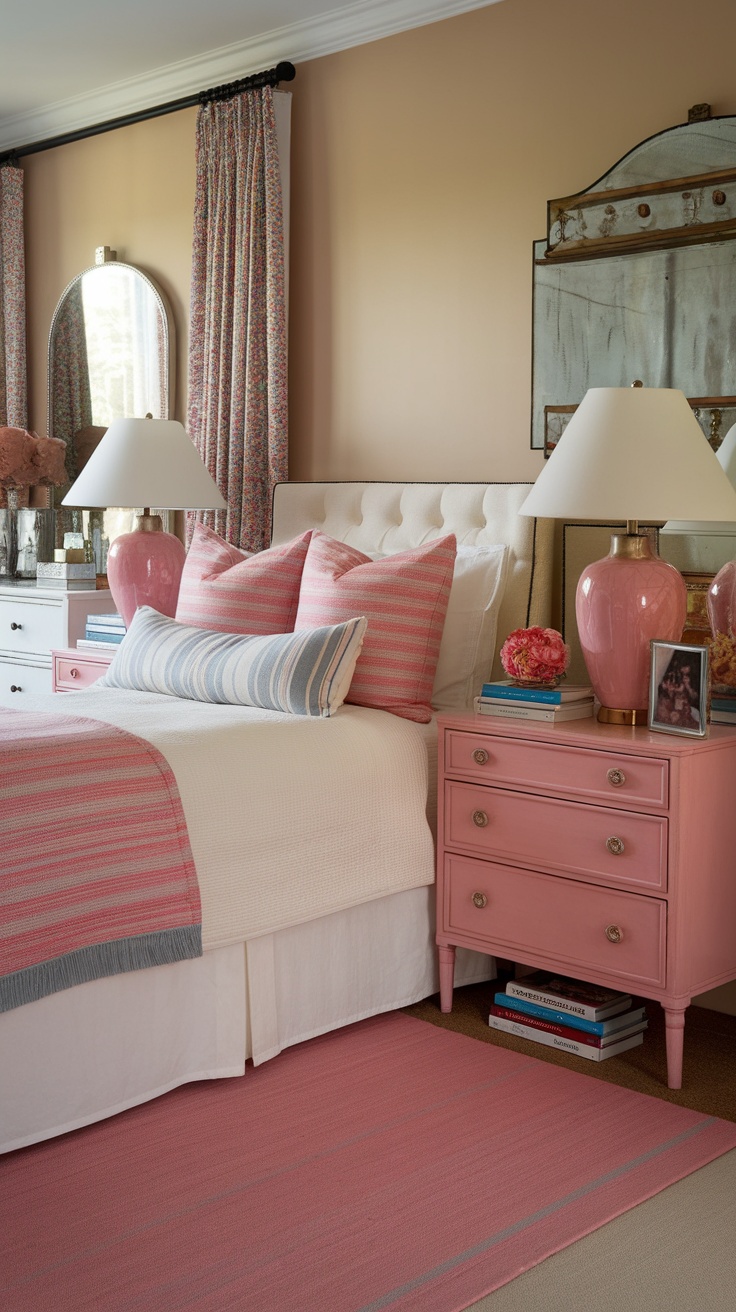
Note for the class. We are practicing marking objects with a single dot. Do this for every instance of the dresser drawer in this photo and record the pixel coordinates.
(19, 679)
(587, 842)
(610, 777)
(31, 624)
(72, 672)
(559, 919)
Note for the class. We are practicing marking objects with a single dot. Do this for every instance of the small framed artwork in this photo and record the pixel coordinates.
(678, 689)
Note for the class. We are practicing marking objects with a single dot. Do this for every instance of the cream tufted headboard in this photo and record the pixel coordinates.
(389, 517)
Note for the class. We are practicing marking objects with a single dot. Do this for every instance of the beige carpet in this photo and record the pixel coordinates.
(674, 1253)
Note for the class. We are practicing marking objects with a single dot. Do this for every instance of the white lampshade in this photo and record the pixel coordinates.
(633, 453)
(146, 462)
(726, 457)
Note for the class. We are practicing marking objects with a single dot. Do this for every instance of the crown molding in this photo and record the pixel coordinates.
(325, 34)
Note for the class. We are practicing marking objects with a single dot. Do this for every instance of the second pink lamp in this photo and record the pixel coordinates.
(635, 454)
(145, 462)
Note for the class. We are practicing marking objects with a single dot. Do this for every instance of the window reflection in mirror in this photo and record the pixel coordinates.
(110, 357)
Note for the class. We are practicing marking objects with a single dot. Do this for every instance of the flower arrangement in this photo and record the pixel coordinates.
(27, 460)
(535, 655)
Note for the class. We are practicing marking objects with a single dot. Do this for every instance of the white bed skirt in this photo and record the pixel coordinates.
(79, 1056)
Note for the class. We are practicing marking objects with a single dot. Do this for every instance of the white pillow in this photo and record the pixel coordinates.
(469, 636)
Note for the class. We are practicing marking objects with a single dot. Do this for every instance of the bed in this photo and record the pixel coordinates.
(333, 944)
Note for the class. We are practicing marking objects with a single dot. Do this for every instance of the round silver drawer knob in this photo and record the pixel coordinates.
(480, 756)
(74, 672)
(615, 846)
(480, 900)
(15, 626)
(616, 777)
(614, 933)
(15, 688)
(480, 819)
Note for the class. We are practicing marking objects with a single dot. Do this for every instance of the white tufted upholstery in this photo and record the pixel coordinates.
(389, 517)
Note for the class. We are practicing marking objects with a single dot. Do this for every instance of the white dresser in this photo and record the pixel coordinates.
(33, 620)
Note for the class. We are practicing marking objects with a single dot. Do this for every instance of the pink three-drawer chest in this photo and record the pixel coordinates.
(604, 853)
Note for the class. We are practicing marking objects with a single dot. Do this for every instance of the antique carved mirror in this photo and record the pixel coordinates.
(110, 357)
(636, 279)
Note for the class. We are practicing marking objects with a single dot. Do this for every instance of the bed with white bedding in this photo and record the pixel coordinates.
(312, 840)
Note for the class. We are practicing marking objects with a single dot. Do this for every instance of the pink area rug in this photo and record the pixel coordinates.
(389, 1165)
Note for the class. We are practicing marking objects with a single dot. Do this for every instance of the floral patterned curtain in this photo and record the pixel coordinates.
(13, 393)
(237, 405)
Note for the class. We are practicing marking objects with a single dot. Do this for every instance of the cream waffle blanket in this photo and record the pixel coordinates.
(289, 818)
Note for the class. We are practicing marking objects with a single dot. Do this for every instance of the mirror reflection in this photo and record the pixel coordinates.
(110, 352)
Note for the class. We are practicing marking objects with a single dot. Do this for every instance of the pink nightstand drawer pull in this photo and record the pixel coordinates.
(480, 756)
(480, 900)
(614, 933)
(74, 672)
(616, 777)
(480, 818)
(615, 846)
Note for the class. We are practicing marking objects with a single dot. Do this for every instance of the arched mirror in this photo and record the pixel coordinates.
(110, 357)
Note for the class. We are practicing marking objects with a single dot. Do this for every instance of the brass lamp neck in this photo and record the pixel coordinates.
(633, 545)
(148, 523)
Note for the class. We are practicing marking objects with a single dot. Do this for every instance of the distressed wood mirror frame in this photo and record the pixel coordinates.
(636, 278)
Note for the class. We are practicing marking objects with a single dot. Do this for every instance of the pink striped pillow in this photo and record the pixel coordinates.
(403, 597)
(231, 591)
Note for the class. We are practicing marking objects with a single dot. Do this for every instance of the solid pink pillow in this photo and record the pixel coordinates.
(231, 591)
(403, 597)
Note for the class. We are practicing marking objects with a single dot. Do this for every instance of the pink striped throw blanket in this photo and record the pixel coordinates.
(96, 871)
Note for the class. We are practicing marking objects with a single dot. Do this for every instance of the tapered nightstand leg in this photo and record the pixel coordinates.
(447, 977)
(675, 1034)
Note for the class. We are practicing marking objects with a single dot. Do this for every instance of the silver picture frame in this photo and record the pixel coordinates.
(678, 689)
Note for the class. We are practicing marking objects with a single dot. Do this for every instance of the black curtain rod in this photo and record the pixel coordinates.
(270, 77)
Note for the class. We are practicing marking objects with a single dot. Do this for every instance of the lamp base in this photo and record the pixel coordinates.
(144, 568)
(610, 715)
(623, 602)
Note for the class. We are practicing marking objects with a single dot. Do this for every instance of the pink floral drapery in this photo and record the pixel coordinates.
(237, 404)
(13, 388)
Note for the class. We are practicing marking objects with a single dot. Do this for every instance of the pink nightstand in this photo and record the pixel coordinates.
(604, 853)
(74, 667)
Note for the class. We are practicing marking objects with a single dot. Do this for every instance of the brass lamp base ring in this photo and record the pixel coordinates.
(611, 715)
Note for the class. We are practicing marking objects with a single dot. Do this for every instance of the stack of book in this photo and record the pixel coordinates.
(102, 631)
(572, 701)
(580, 1018)
(723, 708)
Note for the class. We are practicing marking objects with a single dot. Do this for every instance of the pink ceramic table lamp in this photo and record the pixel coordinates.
(636, 453)
(145, 462)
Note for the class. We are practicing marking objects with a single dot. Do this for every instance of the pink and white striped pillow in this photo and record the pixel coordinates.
(231, 591)
(403, 597)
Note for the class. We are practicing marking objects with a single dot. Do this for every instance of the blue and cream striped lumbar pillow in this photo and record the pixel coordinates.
(307, 672)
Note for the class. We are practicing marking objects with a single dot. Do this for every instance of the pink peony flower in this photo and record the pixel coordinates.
(535, 654)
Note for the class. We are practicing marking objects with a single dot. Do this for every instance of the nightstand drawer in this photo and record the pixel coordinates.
(77, 669)
(587, 842)
(516, 912)
(31, 624)
(610, 777)
(19, 679)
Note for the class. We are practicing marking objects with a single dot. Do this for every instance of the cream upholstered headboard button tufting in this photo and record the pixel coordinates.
(384, 517)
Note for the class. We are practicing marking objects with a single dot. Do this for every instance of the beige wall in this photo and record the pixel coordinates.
(132, 190)
(422, 165)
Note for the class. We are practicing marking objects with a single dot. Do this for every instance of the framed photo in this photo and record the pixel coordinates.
(678, 689)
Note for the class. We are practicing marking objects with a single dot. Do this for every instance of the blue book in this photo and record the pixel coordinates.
(622, 1021)
(107, 621)
(100, 635)
(724, 704)
(507, 691)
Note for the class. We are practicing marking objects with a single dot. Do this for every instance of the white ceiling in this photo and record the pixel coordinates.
(68, 64)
